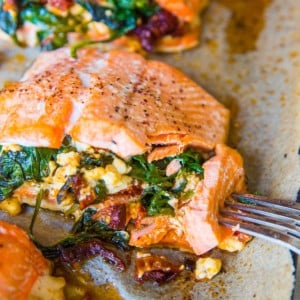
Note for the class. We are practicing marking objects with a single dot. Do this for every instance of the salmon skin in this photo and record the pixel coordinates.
(112, 100)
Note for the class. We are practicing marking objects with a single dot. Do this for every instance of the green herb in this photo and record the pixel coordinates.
(71, 186)
(100, 191)
(28, 164)
(153, 173)
(86, 224)
(187, 195)
(91, 160)
(79, 45)
(191, 161)
(163, 188)
(87, 229)
(8, 23)
(120, 16)
(66, 145)
(38, 202)
(155, 200)
(53, 29)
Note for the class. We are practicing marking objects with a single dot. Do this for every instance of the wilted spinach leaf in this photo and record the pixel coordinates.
(155, 200)
(88, 229)
(100, 191)
(154, 173)
(18, 166)
(52, 28)
(191, 161)
(120, 16)
(8, 21)
(92, 160)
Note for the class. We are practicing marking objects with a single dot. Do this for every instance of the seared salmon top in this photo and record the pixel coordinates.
(116, 100)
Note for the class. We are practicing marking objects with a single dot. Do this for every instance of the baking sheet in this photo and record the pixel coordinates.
(262, 88)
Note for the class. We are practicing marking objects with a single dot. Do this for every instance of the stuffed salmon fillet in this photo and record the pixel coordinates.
(144, 25)
(24, 272)
(134, 141)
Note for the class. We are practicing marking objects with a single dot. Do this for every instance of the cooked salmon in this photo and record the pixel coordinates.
(21, 263)
(112, 100)
(186, 10)
(160, 230)
(162, 25)
(196, 220)
(121, 102)
(223, 175)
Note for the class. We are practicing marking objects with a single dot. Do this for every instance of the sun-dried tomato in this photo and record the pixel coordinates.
(90, 249)
(160, 24)
(155, 268)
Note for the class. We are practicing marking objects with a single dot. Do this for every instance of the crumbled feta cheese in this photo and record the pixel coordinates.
(48, 287)
(93, 175)
(192, 182)
(81, 147)
(232, 244)
(99, 28)
(207, 268)
(71, 159)
(121, 166)
(11, 205)
(114, 180)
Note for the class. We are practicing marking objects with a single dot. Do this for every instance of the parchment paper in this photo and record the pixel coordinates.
(263, 89)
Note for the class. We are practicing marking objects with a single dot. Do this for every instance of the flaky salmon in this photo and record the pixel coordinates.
(195, 222)
(22, 266)
(116, 100)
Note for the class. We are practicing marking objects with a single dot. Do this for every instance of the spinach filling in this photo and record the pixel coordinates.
(121, 17)
(31, 163)
(88, 233)
(162, 188)
(16, 167)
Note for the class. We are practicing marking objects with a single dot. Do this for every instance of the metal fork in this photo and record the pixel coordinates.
(275, 220)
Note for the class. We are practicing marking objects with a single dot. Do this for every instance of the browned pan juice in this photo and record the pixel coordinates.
(246, 23)
(79, 285)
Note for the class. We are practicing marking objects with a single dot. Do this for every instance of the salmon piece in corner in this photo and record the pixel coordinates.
(116, 100)
(21, 263)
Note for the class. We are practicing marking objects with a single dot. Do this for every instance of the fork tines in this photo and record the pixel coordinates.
(275, 220)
